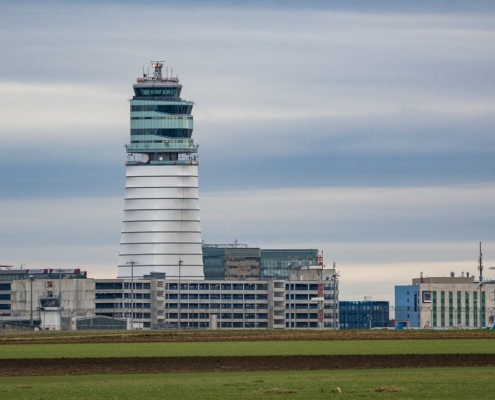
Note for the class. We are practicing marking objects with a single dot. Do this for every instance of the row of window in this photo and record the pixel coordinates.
(157, 91)
(174, 315)
(195, 306)
(122, 305)
(164, 108)
(215, 296)
(167, 117)
(224, 324)
(302, 286)
(217, 286)
(103, 296)
(126, 315)
(173, 132)
(121, 285)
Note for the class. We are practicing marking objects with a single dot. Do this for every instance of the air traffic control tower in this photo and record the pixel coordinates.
(161, 229)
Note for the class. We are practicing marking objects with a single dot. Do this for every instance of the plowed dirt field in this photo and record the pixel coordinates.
(141, 365)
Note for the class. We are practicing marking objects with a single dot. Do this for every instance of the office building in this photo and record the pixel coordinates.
(275, 263)
(64, 301)
(366, 314)
(231, 262)
(445, 302)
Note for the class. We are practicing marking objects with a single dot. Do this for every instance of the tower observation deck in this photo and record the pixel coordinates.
(161, 224)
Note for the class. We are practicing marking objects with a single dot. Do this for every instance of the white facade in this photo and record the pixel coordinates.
(50, 300)
(446, 303)
(455, 302)
(161, 223)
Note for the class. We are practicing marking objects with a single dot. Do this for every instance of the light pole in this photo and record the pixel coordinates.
(60, 287)
(60, 296)
(180, 267)
(335, 282)
(290, 297)
(132, 291)
(480, 268)
(31, 279)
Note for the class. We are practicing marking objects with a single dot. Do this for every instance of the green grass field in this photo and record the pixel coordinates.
(431, 383)
(178, 349)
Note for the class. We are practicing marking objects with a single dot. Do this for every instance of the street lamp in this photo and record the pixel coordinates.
(31, 279)
(60, 296)
(132, 291)
(335, 283)
(180, 267)
(289, 266)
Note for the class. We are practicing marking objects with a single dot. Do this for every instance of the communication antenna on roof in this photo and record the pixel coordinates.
(157, 66)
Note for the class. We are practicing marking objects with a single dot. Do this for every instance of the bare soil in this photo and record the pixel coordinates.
(151, 365)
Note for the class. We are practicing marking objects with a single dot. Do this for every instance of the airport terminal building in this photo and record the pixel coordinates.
(65, 299)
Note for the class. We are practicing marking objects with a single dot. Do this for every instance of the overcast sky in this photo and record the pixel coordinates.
(363, 129)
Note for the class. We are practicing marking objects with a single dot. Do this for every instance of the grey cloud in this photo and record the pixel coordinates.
(310, 98)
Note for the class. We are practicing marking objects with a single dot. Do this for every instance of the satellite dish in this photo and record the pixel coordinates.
(144, 158)
(160, 158)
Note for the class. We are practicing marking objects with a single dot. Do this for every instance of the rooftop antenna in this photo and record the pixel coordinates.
(157, 66)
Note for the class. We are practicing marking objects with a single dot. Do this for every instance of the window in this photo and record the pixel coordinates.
(164, 108)
(106, 285)
(156, 91)
(105, 305)
(99, 296)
